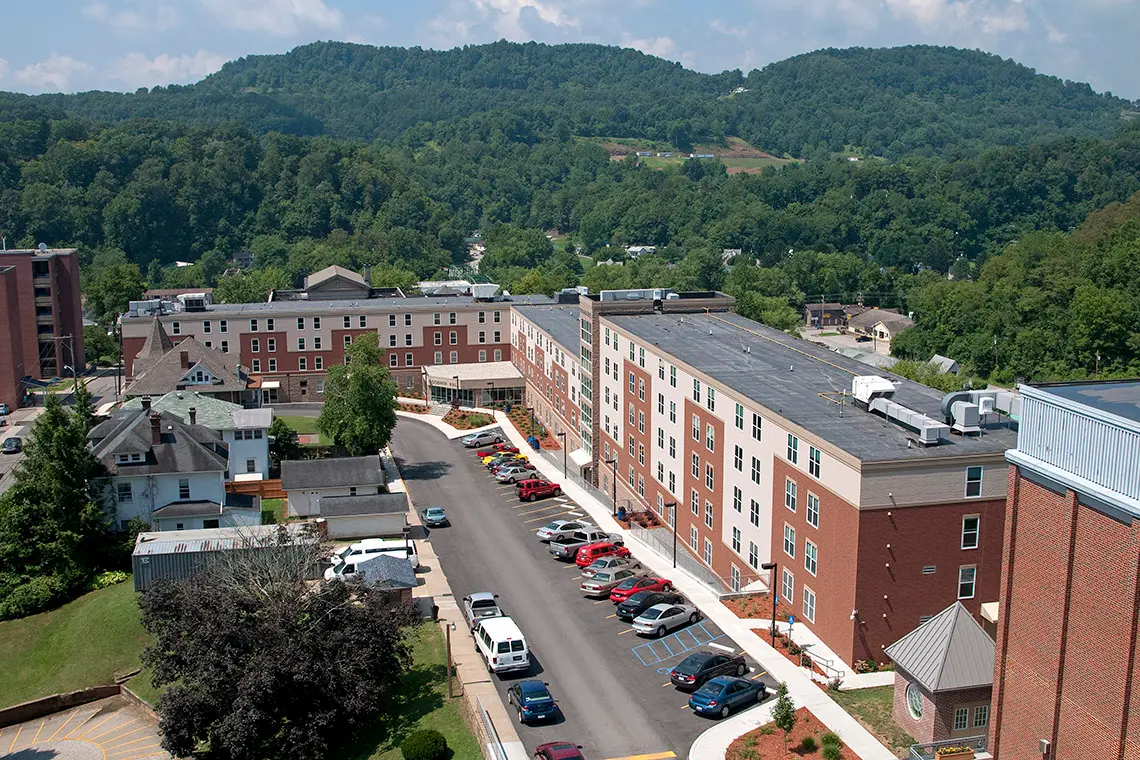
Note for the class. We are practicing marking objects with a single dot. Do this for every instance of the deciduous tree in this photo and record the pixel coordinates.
(360, 399)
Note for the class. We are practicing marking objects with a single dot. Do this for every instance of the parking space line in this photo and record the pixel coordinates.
(562, 499)
(627, 630)
(548, 508)
(669, 649)
(541, 518)
(601, 601)
(611, 616)
(669, 683)
(685, 706)
(758, 675)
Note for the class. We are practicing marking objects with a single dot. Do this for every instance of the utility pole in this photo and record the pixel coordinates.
(672, 505)
(613, 475)
(563, 437)
(773, 566)
(119, 362)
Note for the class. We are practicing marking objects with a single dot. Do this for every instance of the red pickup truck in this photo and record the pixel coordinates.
(529, 490)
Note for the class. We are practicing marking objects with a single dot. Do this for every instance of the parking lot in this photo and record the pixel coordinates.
(612, 685)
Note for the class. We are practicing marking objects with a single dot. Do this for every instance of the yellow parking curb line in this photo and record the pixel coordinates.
(650, 756)
(627, 630)
(41, 728)
(758, 675)
(670, 683)
(16, 738)
(611, 616)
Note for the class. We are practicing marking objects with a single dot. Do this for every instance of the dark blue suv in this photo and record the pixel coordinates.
(533, 701)
(723, 694)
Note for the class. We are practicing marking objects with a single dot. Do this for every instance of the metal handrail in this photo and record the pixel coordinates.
(494, 743)
(929, 750)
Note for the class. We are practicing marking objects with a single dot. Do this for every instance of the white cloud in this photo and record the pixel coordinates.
(662, 47)
(55, 73)
(508, 16)
(136, 70)
(725, 28)
(1055, 35)
(132, 20)
(283, 18)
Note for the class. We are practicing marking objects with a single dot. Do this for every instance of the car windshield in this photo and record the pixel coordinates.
(651, 614)
(477, 603)
(554, 525)
(603, 577)
(710, 689)
(531, 697)
(692, 663)
(435, 511)
(627, 583)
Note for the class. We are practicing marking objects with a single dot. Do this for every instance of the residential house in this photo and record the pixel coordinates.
(245, 431)
(825, 315)
(307, 482)
(944, 678)
(386, 573)
(881, 324)
(167, 472)
(163, 365)
(945, 364)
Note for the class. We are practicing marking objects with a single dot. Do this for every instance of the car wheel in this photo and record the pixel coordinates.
(724, 711)
(532, 497)
(557, 491)
(668, 587)
(741, 669)
(510, 698)
(520, 716)
(692, 618)
(660, 631)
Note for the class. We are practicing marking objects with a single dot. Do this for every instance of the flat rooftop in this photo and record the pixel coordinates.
(1119, 397)
(367, 305)
(562, 323)
(790, 376)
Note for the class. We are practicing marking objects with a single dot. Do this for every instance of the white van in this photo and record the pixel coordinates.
(502, 645)
(368, 548)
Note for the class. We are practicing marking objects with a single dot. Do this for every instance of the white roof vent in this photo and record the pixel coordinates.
(866, 388)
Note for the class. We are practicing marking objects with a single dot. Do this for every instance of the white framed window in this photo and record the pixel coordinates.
(981, 716)
(672, 376)
(755, 470)
(811, 557)
(269, 325)
(694, 502)
(271, 345)
(437, 338)
(255, 365)
(709, 514)
(498, 355)
(757, 426)
(809, 605)
(672, 447)
(736, 540)
(694, 537)
(453, 357)
(710, 438)
(391, 341)
(316, 323)
(300, 344)
(124, 492)
(961, 718)
(317, 343)
(302, 363)
(735, 577)
(175, 328)
(739, 416)
(660, 362)
(971, 525)
(631, 476)
(435, 319)
(641, 422)
(708, 552)
(640, 486)
(347, 321)
(206, 327)
(793, 449)
(754, 513)
(672, 411)
(738, 459)
(225, 346)
(437, 357)
(812, 512)
(789, 541)
(253, 325)
(347, 341)
(393, 360)
(641, 389)
(973, 482)
(632, 415)
(407, 339)
(632, 351)
(790, 489)
(967, 578)
(914, 701)
(272, 365)
(661, 403)
(496, 317)
(710, 398)
(453, 338)
(660, 472)
(640, 454)
(695, 466)
(223, 325)
(641, 357)
(813, 461)
(737, 499)
(482, 319)
(255, 345)
(661, 438)
(407, 320)
(753, 555)
(408, 360)
(788, 586)
(319, 363)
(300, 323)
(672, 483)
(183, 489)
(482, 356)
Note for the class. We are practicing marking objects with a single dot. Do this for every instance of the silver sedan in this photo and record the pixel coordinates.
(558, 528)
(603, 582)
(610, 563)
(662, 618)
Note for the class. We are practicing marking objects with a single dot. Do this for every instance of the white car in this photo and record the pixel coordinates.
(558, 528)
(513, 473)
(662, 618)
(481, 439)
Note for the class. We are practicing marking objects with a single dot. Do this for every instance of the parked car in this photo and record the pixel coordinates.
(532, 700)
(12, 445)
(692, 672)
(483, 438)
(603, 583)
(497, 459)
(566, 547)
(587, 554)
(723, 694)
(3, 409)
(558, 751)
(643, 600)
(612, 562)
(479, 606)
(435, 517)
(498, 448)
(862, 338)
(514, 472)
(529, 490)
(557, 528)
(662, 618)
(625, 590)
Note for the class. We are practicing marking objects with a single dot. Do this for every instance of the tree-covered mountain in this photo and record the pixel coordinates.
(893, 102)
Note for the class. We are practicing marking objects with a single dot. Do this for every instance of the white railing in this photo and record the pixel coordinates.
(494, 745)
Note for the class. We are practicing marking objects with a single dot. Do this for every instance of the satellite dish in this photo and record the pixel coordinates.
(43, 246)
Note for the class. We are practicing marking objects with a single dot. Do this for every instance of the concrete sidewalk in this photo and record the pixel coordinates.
(713, 743)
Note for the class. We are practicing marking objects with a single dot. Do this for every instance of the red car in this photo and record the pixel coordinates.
(558, 751)
(497, 448)
(587, 554)
(529, 490)
(631, 586)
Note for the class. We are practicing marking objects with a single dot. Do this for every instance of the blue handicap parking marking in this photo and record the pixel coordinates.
(674, 645)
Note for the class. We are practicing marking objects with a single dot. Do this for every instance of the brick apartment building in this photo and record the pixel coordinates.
(41, 318)
(755, 437)
(542, 339)
(1066, 680)
(288, 342)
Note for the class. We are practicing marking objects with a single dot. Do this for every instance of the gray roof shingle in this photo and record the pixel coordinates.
(364, 504)
(950, 651)
(181, 447)
(387, 572)
(310, 474)
(165, 374)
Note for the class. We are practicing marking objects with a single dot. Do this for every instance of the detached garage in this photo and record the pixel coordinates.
(378, 514)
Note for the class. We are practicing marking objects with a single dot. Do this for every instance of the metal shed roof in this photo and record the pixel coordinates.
(950, 651)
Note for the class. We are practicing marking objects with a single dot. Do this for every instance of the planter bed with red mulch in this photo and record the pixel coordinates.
(413, 408)
(783, 645)
(767, 742)
(520, 418)
(750, 607)
(461, 419)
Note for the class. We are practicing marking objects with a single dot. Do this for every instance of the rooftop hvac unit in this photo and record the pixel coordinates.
(929, 431)
(866, 388)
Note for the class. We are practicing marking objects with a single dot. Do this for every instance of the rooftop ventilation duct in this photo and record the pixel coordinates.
(874, 394)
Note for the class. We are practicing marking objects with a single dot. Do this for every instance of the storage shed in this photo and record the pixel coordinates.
(375, 514)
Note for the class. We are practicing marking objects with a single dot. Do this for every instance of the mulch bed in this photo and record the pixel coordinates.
(767, 742)
(783, 645)
(750, 607)
(520, 418)
(413, 408)
(461, 419)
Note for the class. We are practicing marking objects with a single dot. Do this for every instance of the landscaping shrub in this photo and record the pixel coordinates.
(35, 595)
(428, 744)
(831, 739)
(831, 752)
(808, 744)
(108, 578)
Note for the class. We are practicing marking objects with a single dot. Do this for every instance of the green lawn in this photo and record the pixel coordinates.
(277, 507)
(84, 643)
(873, 708)
(302, 425)
(421, 703)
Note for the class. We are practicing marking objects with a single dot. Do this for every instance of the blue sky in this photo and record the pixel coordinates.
(69, 45)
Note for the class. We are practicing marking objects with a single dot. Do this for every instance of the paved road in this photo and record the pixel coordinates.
(615, 700)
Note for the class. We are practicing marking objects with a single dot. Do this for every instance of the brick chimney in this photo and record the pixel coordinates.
(185, 357)
(155, 428)
(146, 403)
(193, 416)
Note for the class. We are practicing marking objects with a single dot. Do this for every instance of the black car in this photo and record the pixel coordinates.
(12, 445)
(693, 671)
(643, 600)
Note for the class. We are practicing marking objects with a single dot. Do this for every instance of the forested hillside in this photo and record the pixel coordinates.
(892, 102)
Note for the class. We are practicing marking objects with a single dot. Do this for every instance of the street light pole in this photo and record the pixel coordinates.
(448, 628)
(563, 437)
(455, 398)
(773, 566)
(613, 463)
(672, 505)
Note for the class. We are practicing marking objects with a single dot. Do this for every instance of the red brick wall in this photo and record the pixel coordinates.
(68, 306)
(937, 722)
(1066, 660)
(641, 439)
(919, 537)
(12, 370)
(26, 306)
(722, 555)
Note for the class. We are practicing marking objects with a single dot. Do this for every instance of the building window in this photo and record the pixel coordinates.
(184, 488)
(811, 557)
(708, 514)
(673, 376)
(453, 357)
(271, 345)
(735, 578)
(318, 362)
(255, 346)
(790, 489)
(755, 470)
(793, 449)
(347, 322)
(393, 360)
(363, 321)
(739, 417)
(697, 390)
(754, 513)
(710, 398)
(317, 343)
(453, 338)
(981, 716)
(753, 555)
(300, 323)
(970, 525)
(710, 477)
(813, 461)
(632, 445)
(757, 426)
(497, 317)
(660, 438)
(708, 552)
(641, 389)
(435, 320)
(737, 499)
(175, 328)
(914, 701)
(225, 346)
(272, 365)
(316, 323)
(632, 383)
(302, 363)
(482, 336)
(694, 537)
(672, 447)
(482, 356)
(269, 325)
(300, 344)
(736, 540)
(696, 428)
(640, 486)
(961, 718)
(253, 325)
(672, 483)
(738, 459)
(929, 569)
(347, 341)
(124, 492)
(631, 476)
(809, 605)
(632, 415)
(672, 411)
(223, 326)
(255, 365)
(694, 502)
(641, 422)
(407, 320)
(813, 510)
(788, 586)
(660, 472)
(973, 481)
(437, 338)
(408, 361)
(640, 454)
(437, 357)
(206, 327)
(498, 355)
(695, 466)
(966, 577)
(391, 341)
(710, 438)
(660, 365)
(789, 541)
